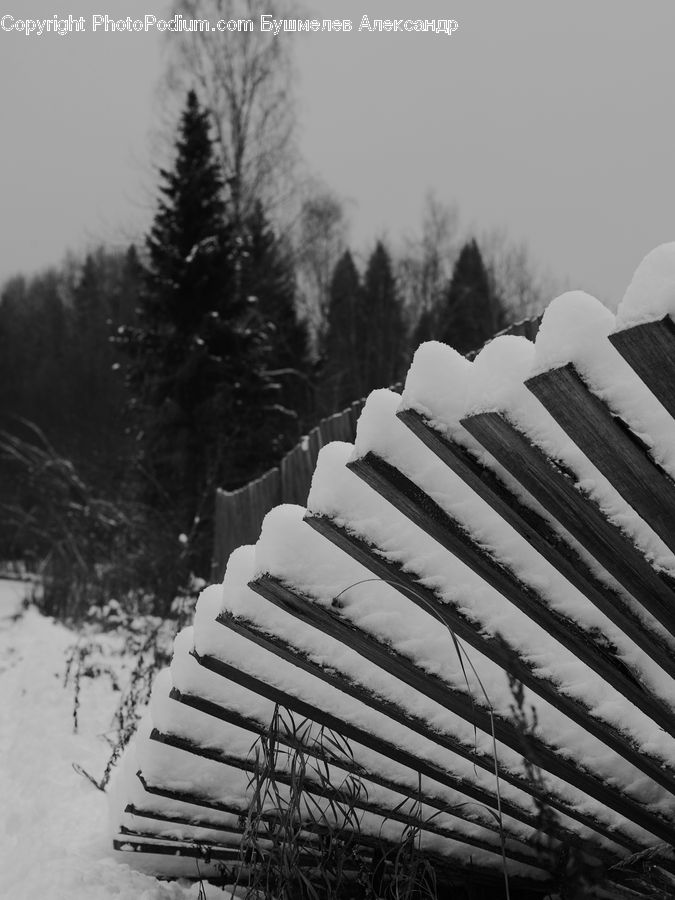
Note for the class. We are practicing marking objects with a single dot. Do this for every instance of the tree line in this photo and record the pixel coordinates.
(197, 358)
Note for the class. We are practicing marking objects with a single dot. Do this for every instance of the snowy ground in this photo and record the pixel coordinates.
(54, 843)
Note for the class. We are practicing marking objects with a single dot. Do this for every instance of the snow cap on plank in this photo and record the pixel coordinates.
(331, 479)
(574, 329)
(209, 605)
(498, 374)
(292, 551)
(340, 494)
(436, 383)
(651, 293)
(379, 430)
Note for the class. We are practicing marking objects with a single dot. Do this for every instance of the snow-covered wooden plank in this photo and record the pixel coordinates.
(173, 848)
(361, 840)
(612, 448)
(196, 800)
(247, 658)
(192, 777)
(513, 848)
(351, 688)
(448, 870)
(425, 767)
(615, 877)
(445, 852)
(288, 551)
(534, 528)
(392, 573)
(381, 434)
(419, 508)
(312, 829)
(398, 666)
(468, 810)
(140, 842)
(505, 731)
(649, 349)
(174, 819)
(556, 490)
(412, 587)
(464, 810)
(270, 670)
(614, 800)
(205, 846)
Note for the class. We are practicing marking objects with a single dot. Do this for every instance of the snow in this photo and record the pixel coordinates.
(380, 431)
(651, 293)
(168, 768)
(54, 841)
(437, 398)
(184, 721)
(575, 329)
(338, 493)
(39, 785)
(498, 373)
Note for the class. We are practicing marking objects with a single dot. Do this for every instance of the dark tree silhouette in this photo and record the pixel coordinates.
(218, 360)
(346, 337)
(386, 345)
(470, 312)
(188, 347)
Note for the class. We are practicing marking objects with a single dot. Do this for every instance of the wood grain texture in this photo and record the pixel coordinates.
(496, 650)
(353, 732)
(470, 812)
(423, 511)
(448, 868)
(539, 534)
(626, 807)
(610, 445)
(649, 350)
(556, 490)
(514, 849)
(534, 748)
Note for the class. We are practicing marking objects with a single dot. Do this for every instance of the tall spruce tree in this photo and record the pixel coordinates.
(385, 354)
(470, 312)
(219, 356)
(343, 378)
(189, 354)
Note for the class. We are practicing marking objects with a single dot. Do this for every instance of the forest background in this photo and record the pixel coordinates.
(137, 379)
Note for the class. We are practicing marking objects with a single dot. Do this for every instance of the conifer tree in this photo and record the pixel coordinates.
(343, 378)
(384, 357)
(470, 312)
(188, 351)
(218, 347)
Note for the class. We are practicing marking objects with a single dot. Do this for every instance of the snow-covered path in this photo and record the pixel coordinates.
(53, 832)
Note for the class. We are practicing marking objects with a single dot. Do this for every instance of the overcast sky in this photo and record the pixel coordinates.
(555, 121)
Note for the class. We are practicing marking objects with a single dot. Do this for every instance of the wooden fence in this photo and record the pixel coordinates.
(477, 607)
(239, 514)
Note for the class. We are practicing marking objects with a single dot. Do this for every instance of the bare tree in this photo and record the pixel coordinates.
(245, 80)
(522, 287)
(425, 265)
(320, 240)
